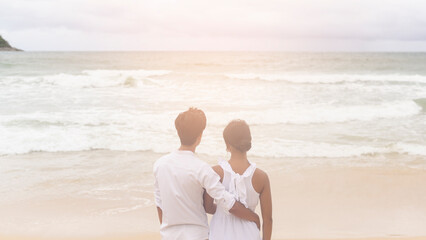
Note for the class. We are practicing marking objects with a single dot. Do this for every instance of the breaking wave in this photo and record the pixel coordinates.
(329, 78)
(90, 79)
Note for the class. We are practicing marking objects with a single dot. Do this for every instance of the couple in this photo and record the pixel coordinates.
(187, 188)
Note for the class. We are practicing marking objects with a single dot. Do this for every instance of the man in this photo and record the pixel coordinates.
(180, 180)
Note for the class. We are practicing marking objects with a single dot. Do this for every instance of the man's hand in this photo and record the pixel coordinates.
(242, 212)
(257, 221)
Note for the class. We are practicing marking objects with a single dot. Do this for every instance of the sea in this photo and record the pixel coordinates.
(304, 110)
(330, 105)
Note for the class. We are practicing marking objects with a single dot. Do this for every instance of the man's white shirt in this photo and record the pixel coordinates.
(180, 180)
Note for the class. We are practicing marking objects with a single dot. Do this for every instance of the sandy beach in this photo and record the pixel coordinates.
(322, 202)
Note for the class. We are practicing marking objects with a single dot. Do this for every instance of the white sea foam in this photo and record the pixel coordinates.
(410, 148)
(295, 148)
(287, 114)
(86, 129)
(57, 139)
(90, 79)
(328, 78)
(296, 114)
(121, 210)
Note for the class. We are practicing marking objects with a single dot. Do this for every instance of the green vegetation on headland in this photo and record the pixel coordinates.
(5, 46)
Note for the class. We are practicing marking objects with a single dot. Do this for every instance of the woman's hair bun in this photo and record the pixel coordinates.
(244, 146)
(237, 134)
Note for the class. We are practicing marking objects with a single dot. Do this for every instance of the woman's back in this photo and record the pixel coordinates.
(226, 226)
(249, 186)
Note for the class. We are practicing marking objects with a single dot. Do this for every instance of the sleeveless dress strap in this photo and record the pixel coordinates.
(237, 184)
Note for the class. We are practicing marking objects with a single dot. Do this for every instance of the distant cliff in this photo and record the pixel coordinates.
(5, 46)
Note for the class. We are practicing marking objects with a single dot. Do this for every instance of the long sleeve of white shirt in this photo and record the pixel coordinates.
(157, 195)
(211, 182)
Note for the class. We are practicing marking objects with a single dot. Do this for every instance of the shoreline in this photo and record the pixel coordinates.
(11, 49)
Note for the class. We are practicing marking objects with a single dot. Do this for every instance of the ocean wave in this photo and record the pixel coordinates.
(136, 131)
(75, 141)
(409, 148)
(142, 134)
(143, 120)
(328, 78)
(421, 102)
(91, 79)
(292, 148)
(296, 114)
(114, 211)
(88, 130)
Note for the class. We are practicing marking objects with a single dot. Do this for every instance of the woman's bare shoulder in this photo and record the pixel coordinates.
(260, 179)
(260, 174)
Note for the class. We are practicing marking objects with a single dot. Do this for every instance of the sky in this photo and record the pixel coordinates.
(215, 25)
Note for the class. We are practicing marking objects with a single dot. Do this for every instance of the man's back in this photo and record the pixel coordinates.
(180, 180)
(177, 176)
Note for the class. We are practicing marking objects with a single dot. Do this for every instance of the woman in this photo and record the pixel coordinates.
(248, 184)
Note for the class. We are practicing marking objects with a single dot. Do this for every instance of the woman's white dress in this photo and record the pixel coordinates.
(225, 226)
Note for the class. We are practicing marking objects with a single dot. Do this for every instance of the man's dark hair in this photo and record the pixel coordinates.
(237, 134)
(190, 125)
